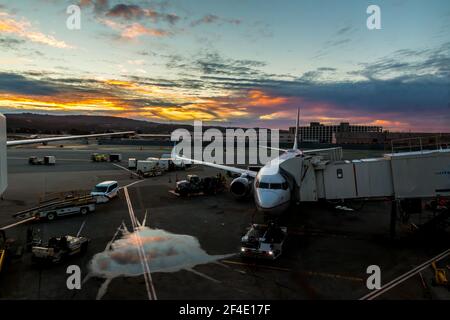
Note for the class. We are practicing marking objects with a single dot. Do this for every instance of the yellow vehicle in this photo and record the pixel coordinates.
(98, 157)
(2, 249)
(440, 277)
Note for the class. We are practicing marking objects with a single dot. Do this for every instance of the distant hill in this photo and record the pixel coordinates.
(81, 124)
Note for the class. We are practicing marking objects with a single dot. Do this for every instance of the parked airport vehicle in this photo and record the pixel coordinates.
(173, 163)
(132, 163)
(3, 249)
(99, 157)
(105, 191)
(196, 185)
(9, 249)
(115, 157)
(47, 160)
(440, 276)
(163, 164)
(60, 207)
(59, 248)
(149, 168)
(263, 241)
(67, 210)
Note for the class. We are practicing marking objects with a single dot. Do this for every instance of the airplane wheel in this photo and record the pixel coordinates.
(51, 216)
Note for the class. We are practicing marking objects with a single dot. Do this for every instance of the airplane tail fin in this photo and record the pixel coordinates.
(295, 147)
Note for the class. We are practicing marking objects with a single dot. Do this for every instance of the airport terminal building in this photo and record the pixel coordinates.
(321, 133)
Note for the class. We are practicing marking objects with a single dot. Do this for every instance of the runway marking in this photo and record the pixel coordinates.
(123, 168)
(400, 279)
(204, 275)
(131, 184)
(16, 224)
(81, 228)
(145, 268)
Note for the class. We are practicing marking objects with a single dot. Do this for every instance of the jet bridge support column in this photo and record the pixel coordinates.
(393, 230)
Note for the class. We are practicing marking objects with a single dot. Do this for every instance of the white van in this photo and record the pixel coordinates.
(105, 191)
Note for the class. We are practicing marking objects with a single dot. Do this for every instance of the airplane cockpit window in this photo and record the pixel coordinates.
(264, 185)
(272, 186)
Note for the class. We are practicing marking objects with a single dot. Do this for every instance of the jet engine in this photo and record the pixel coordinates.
(241, 187)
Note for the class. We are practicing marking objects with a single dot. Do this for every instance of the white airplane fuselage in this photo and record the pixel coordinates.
(272, 190)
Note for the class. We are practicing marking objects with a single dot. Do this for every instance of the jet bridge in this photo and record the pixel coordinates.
(3, 166)
(421, 174)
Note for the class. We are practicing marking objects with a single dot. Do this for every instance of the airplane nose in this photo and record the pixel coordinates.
(267, 198)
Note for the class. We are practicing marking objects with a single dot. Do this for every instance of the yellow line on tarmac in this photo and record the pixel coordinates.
(254, 265)
(310, 273)
(17, 223)
(331, 275)
(123, 168)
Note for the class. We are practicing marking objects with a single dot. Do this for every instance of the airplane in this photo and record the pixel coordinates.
(4, 144)
(272, 187)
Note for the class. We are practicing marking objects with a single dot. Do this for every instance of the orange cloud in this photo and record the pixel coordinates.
(393, 125)
(134, 30)
(55, 104)
(276, 115)
(24, 29)
(260, 98)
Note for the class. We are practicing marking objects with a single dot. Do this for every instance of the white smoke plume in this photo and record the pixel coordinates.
(165, 252)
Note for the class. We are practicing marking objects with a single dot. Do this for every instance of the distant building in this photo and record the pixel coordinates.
(286, 137)
(322, 133)
(413, 139)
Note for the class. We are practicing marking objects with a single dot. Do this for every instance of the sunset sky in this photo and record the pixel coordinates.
(235, 62)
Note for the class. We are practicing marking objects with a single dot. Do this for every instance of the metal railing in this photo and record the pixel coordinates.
(410, 144)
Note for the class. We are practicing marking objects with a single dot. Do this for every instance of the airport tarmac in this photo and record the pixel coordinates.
(326, 255)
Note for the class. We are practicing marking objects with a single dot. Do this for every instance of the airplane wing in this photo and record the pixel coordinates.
(220, 166)
(272, 148)
(41, 140)
(321, 150)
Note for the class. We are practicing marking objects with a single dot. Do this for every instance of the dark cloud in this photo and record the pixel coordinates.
(135, 12)
(10, 82)
(215, 64)
(128, 12)
(344, 30)
(340, 38)
(10, 43)
(435, 61)
(211, 18)
(326, 69)
(404, 93)
(99, 6)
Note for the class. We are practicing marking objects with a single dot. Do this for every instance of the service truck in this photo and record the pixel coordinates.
(148, 168)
